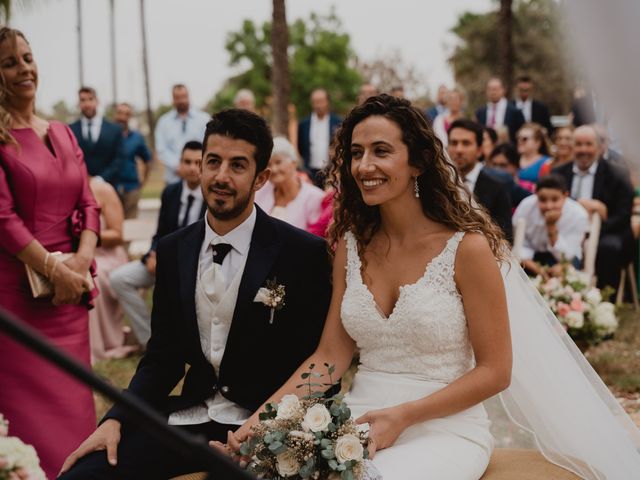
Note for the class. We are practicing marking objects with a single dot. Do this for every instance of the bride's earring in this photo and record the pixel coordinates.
(416, 188)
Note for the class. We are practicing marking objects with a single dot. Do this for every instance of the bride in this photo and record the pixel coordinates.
(418, 289)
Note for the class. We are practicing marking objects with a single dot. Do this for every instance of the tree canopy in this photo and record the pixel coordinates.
(320, 55)
(538, 43)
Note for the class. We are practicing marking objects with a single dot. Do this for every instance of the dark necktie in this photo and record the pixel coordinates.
(185, 219)
(89, 132)
(184, 125)
(220, 251)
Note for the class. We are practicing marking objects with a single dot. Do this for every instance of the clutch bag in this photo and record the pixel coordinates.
(40, 285)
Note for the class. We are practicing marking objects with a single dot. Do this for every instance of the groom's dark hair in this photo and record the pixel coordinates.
(244, 125)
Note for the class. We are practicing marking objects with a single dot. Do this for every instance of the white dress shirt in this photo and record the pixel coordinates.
(525, 108)
(96, 126)
(216, 295)
(319, 138)
(196, 206)
(582, 182)
(471, 178)
(500, 111)
(172, 132)
(572, 227)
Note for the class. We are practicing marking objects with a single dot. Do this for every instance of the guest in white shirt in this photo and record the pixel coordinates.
(175, 128)
(315, 133)
(555, 225)
(286, 196)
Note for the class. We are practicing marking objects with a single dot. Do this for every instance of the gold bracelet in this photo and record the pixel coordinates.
(46, 262)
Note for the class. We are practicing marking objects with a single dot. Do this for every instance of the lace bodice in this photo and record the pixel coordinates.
(425, 334)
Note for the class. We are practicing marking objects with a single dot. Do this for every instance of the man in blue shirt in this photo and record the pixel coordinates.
(175, 128)
(128, 183)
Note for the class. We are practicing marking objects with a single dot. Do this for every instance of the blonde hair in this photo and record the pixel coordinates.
(10, 34)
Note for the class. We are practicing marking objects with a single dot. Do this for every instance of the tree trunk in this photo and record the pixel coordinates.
(280, 82)
(79, 29)
(145, 69)
(505, 44)
(114, 76)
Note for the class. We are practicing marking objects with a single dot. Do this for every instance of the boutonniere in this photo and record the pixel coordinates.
(272, 296)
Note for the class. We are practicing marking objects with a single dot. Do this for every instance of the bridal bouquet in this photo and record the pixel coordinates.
(17, 460)
(313, 437)
(580, 308)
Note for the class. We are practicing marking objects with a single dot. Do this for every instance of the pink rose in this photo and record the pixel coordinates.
(577, 305)
(563, 309)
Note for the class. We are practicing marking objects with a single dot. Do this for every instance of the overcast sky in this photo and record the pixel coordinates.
(186, 41)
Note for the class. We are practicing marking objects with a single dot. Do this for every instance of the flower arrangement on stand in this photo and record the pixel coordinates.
(310, 437)
(17, 460)
(580, 308)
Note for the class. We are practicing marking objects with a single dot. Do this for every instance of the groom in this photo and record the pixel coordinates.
(207, 313)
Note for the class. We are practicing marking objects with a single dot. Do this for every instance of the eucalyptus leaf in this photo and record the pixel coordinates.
(328, 453)
(347, 475)
(333, 464)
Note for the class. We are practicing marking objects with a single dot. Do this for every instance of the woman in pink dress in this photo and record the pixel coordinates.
(45, 206)
(286, 196)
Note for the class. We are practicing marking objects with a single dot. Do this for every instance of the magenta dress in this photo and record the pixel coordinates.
(44, 197)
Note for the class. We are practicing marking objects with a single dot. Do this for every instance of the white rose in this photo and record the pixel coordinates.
(348, 447)
(604, 316)
(17, 454)
(317, 418)
(288, 407)
(593, 296)
(575, 319)
(286, 464)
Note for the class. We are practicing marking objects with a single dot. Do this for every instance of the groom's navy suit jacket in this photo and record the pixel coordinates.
(259, 357)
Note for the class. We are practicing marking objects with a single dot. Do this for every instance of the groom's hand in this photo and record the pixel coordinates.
(106, 437)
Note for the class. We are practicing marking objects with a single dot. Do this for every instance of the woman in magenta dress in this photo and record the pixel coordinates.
(45, 206)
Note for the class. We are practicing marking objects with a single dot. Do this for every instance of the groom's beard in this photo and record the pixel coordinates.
(232, 207)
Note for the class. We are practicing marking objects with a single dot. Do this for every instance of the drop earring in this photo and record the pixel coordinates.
(416, 188)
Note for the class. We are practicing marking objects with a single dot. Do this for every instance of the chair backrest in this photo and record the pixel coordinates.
(518, 237)
(591, 246)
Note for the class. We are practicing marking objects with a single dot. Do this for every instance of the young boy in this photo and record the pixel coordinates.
(555, 225)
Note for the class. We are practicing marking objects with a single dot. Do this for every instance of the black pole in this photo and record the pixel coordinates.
(140, 413)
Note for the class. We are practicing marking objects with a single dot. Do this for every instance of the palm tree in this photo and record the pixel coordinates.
(505, 44)
(280, 82)
(145, 67)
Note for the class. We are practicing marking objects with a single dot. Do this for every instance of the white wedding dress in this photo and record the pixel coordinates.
(420, 348)
(555, 395)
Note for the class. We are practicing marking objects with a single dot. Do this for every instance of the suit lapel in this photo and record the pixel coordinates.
(479, 190)
(188, 255)
(264, 249)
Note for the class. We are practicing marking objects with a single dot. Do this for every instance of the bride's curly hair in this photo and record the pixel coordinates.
(442, 195)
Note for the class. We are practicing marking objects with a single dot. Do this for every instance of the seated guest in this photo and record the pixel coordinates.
(561, 149)
(489, 141)
(285, 195)
(106, 335)
(604, 188)
(555, 225)
(182, 205)
(504, 159)
(465, 149)
(321, 226)
(454, 111)
(533, 147)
